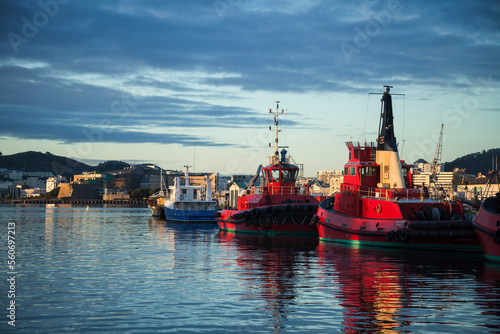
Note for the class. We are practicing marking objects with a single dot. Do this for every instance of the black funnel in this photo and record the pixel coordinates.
(386, 138)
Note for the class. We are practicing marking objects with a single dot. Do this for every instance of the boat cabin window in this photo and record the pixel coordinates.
(371, 171)
(282, 175)
(275, 175)
(266, 175)
(349, 170)
(288, 175)
(285, 175)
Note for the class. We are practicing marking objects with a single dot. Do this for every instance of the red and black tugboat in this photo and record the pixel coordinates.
(377, 204)
(487, 224)
(279, 206)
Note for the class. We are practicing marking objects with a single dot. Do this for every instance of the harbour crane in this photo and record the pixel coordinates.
(436, 162)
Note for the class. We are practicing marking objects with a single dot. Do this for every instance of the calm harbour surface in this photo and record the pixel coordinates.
(116, 269)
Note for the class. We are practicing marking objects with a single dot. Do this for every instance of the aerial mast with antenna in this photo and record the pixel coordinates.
(275, 158)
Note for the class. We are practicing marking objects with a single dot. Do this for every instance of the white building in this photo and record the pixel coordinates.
(479, 189)
(443, 179)
(326, 175)
(234, 192)
(53, 182)
(36, 192)
(335, 183)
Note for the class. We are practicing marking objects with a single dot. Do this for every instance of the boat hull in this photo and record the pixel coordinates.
(195, 216)
(155, 204)
(157, 211)
(398, 233)
(487, 224)
(270, 220)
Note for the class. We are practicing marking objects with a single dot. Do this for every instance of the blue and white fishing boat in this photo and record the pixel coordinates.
(187, 203)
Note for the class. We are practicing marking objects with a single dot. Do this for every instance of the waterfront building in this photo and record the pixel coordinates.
(115, 194)
(53, 182)
(480, 188)
(234, 191)
(326, 175)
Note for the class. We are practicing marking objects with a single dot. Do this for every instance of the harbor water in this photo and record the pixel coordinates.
(116, 269)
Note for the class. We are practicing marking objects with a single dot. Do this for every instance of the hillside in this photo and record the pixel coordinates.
(43, 162)
(474, 163)
(110, 166)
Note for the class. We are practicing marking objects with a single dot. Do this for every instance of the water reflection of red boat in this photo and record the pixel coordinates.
(277, 207)
(377, 204)
(385, 290)
(270, 266)
(487, 224)
(488, 278)
(371, 288)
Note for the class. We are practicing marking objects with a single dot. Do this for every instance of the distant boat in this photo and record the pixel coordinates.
(279, 206)
(188, 203)
(487, 224)
(378, 206)
(156, 201)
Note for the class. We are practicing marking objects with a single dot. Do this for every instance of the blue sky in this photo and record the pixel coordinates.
(192, 82)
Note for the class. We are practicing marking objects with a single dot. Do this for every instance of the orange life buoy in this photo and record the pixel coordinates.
(378, 208)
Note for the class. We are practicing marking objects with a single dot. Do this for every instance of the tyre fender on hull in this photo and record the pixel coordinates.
(496, 236)
(401, 235)
(238, 215)
(270, 211)
(311, 209)
(289, 210)
(254, 213)
(427, 212)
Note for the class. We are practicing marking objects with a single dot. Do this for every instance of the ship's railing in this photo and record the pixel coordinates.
(390, 195)
(283, 190)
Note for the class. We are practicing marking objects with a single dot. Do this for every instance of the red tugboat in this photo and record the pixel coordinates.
(487, 224)
(277, 207)
(377, 204)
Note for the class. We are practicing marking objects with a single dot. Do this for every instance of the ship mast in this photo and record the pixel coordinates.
(275, 158)
(186, 174)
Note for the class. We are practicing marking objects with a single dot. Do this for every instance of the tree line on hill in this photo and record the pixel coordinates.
(474, 163)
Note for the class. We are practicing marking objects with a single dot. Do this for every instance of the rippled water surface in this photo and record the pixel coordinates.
(116, 269)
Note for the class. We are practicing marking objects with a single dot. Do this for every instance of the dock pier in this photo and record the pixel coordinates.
(142, 202)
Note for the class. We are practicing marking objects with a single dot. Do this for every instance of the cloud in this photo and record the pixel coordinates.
(141, 67)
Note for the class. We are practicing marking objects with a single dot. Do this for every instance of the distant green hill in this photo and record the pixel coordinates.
(43, 162)
(474, 163)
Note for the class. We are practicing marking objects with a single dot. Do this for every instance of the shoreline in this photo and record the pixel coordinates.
(75, 201)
